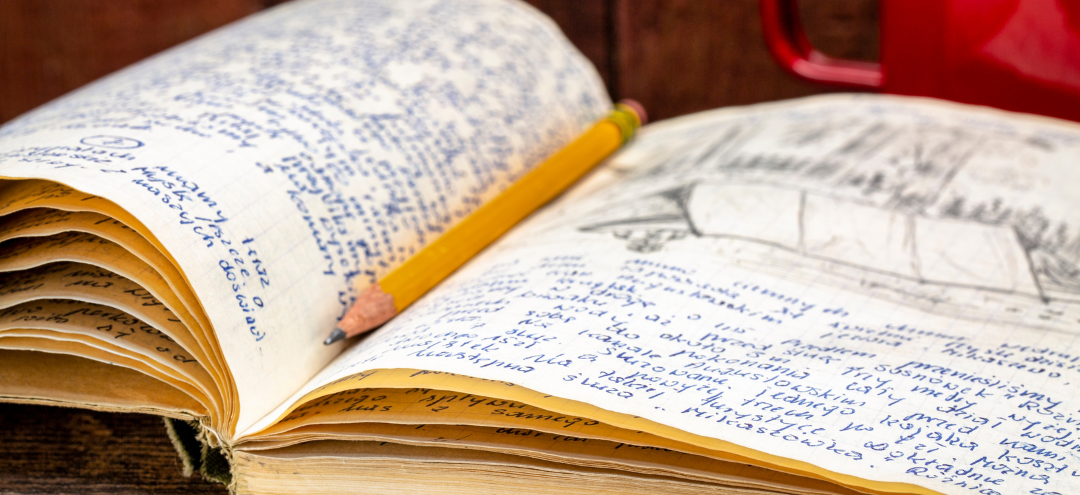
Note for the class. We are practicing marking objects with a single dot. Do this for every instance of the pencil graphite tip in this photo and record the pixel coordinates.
(372, 308)
(336, 335)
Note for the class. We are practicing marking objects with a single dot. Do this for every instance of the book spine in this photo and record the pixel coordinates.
(197, 453)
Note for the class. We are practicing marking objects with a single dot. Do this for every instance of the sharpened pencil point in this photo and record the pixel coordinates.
(336, 335)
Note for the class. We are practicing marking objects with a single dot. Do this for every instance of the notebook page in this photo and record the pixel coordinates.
(289, 159)
(864, 286)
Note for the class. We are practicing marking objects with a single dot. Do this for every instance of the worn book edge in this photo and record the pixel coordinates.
(196, 454)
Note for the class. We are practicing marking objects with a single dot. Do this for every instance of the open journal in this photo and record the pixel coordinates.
(842, 294)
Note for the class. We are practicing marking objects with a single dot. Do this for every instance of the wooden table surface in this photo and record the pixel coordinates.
(713, 48)
(46, 449)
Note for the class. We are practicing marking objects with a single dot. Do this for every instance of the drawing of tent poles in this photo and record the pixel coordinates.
(937, 251)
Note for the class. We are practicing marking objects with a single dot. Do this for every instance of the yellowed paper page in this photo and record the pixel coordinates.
(47, 222)
(29, 252)
(110, 326)
(882, 291)
(45, 341)
(28, 376)
(82, 282)
(560, 447)
(44, 208)
(288, 160)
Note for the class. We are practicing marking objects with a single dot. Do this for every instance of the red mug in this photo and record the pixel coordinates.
(1021, 55)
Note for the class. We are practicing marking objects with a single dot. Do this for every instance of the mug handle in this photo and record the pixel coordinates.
(792, 49)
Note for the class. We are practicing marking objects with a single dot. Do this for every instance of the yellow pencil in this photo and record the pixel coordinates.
(397, 290)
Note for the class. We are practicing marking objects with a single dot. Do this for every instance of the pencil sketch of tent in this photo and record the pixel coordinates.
(937, 251)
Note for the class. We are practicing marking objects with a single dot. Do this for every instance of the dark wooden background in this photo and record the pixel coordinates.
(674, 56)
